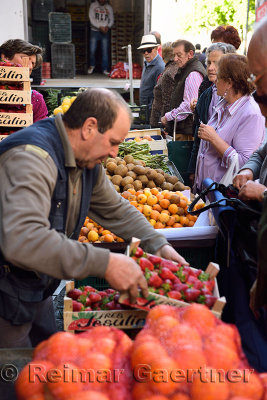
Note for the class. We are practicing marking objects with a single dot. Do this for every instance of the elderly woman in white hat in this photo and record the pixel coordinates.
(153, 67)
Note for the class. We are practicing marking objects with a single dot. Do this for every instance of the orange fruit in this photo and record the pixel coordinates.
(147, 210)
(134, 203)
(67, 380)
(221, 356)
(139, 192)
(93, 236)
(108, 238)
(126, 194)
(251, 386)
(88, 395)
(84, 231)
(120, 240)
(207, 389)
(140, 207)
(154, 191)
(176, 217)
(177, 225)
(155, 215)
(160, 196)
(163, 217)
(152, 200)
(141, 198)
(157, 207)
(27, 386)
(191, 223)
(106, 232)
(144, 353)
(158, 312)
(184, 221)
(81, 238)
(159, 225)
(200, 317)
(90, 225)
(164, 203)
(173, 208)
(165, 212)
(180, 396)
(184, 336)
(147, 192)
(62, 346)
(181, 211)
(168, 195)
(171, 221)
(183, 203)
(96, 360)
(152, 222)
(175, 199)
(131, 190)
(141, 391)
(167, 364)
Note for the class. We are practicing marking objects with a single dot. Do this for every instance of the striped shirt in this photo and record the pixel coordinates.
(214, 101)
(191, 87)
(242, 126)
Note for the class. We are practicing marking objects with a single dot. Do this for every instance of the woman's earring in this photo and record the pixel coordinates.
(225, 93)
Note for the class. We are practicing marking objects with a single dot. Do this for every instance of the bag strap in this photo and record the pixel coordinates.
(232, 202)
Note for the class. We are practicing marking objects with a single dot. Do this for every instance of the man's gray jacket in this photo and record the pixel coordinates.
(258, 164)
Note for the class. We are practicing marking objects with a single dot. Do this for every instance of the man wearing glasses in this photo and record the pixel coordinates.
(153, 67)
(256, 167)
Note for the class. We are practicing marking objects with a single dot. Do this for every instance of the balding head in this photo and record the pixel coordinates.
(258, 42)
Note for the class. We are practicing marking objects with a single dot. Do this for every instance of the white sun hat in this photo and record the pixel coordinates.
(148, 41)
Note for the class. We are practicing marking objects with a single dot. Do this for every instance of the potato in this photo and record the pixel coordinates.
(172, 179)
(151, 184)
(143, 179)
(139, 170)
(132, 174)
(117, 188)
(121, 170)
(138, 162)
(137, 184)
(118, 159)
(160, 171)
(111, 166)
(179, 186)
(110, 160)
(167, 186)
(129, 159)
(159, 179)
(130, 166)
(116, 179)
(121, 162)
(130, 186)
(151, 174)
(126, 181)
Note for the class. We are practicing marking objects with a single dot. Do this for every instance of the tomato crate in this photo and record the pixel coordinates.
(84, 320)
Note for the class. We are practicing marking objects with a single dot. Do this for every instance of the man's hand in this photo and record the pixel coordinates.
(164, 120)
(206, 132)
(193, 104)
(169, 253)
(252, 191)
(125, 275)
(242, 177)
(103, 29)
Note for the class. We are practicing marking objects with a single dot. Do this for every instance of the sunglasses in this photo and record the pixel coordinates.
(149, 50)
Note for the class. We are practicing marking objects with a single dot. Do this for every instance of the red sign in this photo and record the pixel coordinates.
(261, 11)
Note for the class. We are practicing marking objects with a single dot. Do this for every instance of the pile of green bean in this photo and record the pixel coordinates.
(142, 152)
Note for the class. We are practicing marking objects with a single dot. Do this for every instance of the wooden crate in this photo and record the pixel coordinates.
(84, 320)
(157, 145)
(16, 97)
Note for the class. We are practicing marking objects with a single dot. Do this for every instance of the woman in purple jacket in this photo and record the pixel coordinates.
(14, 50)
(235, 127)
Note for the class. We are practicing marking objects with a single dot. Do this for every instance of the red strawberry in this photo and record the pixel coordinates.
(110, 291)
(111, 305)
(76, 306)
(173, 294)
(154, 280)
(137, 252)
(166, 273)
(169, 264)
(89, 289)
(191, 294)
(103, 294)
(180, 287)
(210, 300)
(209, 285)
(198, 284)
(74, 294)
(154, 259)
(145, 263)
(161, 292)
(192, 279)
(94, 297)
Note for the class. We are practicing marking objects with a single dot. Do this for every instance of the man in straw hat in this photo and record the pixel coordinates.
(153, 67)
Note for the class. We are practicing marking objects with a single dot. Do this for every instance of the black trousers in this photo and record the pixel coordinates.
(30, 333)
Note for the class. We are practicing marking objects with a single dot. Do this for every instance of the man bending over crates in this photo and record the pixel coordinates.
(51, 178)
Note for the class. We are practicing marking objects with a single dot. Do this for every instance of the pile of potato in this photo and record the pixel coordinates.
(129, 173)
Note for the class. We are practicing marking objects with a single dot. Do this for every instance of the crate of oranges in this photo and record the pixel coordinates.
(163, 209)
(95, 233)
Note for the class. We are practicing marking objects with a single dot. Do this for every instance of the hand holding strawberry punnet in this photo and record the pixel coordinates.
(169, 253)
(125, 275)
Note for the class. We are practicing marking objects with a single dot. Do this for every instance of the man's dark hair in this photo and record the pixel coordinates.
(187, 45)
(198, 46)
(15, 46)
(102, 104)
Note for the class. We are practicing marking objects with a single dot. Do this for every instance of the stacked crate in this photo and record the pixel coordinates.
(13, 117)
(62, 50)
(122, 34)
